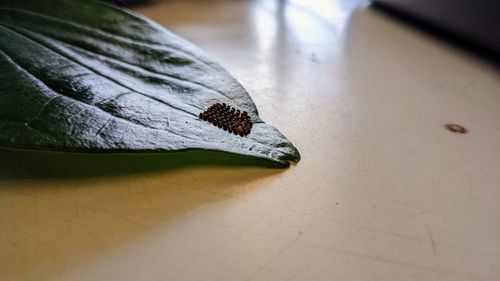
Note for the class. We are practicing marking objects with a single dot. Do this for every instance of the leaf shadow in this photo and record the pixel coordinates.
(25, 164)
(67, 214)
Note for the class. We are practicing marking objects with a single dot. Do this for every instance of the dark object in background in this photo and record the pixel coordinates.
(475, 23)
(128, 3)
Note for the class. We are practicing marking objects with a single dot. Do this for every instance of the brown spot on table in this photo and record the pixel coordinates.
(457, 129)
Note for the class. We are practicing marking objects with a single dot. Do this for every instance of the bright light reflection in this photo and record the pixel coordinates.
(292, 39)
(309, 21)
(264, 23)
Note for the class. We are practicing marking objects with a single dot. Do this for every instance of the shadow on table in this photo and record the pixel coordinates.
(15, 164)
(67, 214)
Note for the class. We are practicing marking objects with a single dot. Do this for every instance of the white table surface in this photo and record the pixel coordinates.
(383, 191)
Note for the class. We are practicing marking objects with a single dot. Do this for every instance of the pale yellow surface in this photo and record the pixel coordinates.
(383, 191)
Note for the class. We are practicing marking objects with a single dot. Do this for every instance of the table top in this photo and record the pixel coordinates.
(384, 190)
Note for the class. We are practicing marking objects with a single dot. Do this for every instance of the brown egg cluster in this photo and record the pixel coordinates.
(228, 118)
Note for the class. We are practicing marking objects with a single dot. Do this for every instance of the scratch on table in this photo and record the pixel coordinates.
(414, 215)
(302, 269)
(280, 252)
(471, 231)
(431, 239)
(310, 108)
(122, 217)
(360, 228)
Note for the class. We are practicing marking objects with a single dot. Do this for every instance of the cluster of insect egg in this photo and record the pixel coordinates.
(228, 118)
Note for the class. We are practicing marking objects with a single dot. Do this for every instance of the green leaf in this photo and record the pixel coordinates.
(84, 76)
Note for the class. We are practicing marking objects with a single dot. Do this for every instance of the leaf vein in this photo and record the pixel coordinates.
(61, 53)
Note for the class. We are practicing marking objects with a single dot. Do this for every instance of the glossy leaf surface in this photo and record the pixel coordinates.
(84, 76)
